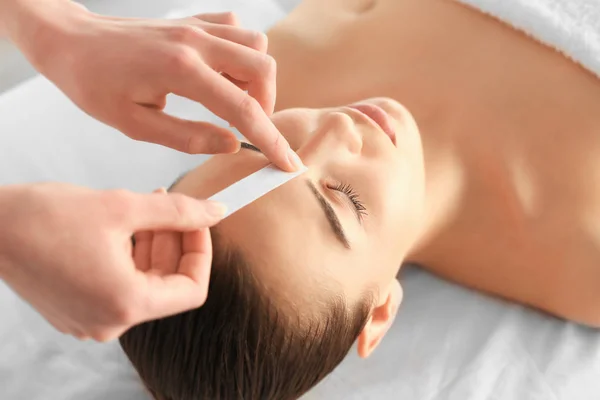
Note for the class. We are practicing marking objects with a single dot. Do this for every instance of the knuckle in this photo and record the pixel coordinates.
(230, 18)
(180, 206)
(279, 142)
(268, 65)
(120, 197)
(182, 59)
(190, 145)
(134, 134)
(123, 312)
(247, 109)
(260, 41)
(182, 33)
(119, 194)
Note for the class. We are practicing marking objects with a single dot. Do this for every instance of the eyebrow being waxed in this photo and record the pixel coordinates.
(254, 186)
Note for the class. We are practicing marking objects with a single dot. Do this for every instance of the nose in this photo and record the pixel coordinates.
(337, 131)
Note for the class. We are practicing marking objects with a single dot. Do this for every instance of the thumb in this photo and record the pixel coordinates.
(172, 211)
(188, 288)
(193, 137)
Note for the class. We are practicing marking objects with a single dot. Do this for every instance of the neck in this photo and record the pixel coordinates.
(445, 179)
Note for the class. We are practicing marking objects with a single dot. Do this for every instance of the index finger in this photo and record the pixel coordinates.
(232, 104)
(169, 212)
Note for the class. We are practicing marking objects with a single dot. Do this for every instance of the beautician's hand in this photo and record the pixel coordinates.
(120, 70)
(67, 251)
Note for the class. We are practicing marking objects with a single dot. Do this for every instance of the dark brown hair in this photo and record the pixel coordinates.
(242, 344)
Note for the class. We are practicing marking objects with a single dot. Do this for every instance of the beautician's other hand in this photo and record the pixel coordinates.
(67, 251)
(120, 70)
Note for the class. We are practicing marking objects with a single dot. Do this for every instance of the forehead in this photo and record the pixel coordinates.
(283, 233)
(284, 241)
(219, 172)
(276, 220)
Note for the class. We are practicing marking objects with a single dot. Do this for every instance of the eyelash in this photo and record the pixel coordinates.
(352, 196)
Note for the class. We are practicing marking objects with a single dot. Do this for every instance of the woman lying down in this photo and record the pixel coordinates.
(434, 134)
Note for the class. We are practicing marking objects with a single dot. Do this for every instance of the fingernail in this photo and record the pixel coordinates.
(216, 210)
(294, 159)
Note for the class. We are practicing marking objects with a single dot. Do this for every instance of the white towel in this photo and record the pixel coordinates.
(570, 26)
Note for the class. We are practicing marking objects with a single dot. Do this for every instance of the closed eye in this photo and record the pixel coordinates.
(330, 215)
(352, 196)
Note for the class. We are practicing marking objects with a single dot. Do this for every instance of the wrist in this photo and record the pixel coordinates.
(40, 28)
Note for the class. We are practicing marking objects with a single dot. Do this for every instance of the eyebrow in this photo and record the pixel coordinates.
(331, 216)
(248, 146)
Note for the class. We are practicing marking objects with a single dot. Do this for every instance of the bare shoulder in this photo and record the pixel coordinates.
(548, 259)
(563, 279)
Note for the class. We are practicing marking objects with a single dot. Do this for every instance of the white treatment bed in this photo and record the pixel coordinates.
(447, 343)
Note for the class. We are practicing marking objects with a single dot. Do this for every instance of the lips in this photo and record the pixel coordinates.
(379, 116)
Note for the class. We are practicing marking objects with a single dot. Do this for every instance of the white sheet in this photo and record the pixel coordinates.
(447, 343)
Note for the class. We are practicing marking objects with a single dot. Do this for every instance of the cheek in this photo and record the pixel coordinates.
(392, 203)
(374, 269)
(388, 186)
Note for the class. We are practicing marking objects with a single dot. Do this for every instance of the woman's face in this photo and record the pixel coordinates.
(346, 223)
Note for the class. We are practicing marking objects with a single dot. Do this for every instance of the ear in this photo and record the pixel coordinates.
(381, 320)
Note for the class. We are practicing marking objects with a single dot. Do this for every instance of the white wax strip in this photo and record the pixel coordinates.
(254, 186)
